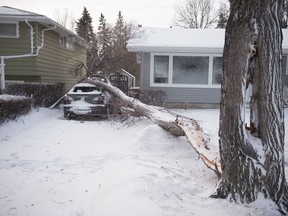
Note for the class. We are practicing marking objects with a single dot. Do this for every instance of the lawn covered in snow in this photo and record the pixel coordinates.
(50, 166)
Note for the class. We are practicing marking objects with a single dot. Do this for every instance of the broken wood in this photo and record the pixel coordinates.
(176, 124)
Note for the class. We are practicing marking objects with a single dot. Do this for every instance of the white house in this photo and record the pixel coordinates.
(185, 63)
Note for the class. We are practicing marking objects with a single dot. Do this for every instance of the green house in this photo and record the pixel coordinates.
(34, 48)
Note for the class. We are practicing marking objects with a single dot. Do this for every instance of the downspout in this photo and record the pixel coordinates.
(31, 54)
(42, 39)
(31, 36)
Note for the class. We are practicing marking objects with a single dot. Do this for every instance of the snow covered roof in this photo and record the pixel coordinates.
(14, 14)
(183, 40)
(178, 40)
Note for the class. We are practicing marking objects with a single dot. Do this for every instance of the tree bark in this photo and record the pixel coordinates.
(252, 148)
(176, 124)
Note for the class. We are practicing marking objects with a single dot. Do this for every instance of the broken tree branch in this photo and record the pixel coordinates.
(176, 124)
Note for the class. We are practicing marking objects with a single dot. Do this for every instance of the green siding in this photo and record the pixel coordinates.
(53, 64)
(21, 66)
(23, 78)
(17, 46)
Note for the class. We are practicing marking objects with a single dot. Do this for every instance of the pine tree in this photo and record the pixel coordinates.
(104, 38)
(123, 59)
(223, 16)
(120, 32)
(84, 26)
(84, 29)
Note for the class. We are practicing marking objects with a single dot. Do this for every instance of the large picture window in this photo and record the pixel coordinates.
(186, 70)
(9, 30)
(190, 70)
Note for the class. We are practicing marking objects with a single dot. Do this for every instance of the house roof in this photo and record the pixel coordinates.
(183, 40)
(14, 14)
(178, 40)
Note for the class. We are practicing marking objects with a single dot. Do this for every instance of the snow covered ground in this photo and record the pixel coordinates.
(50, 166)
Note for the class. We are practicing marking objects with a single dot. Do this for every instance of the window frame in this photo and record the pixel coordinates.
(170, 71)
(62, 41)
(153, 69)
(16, 26)
(67, 43)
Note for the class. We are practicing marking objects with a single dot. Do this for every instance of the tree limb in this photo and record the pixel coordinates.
(176, 124)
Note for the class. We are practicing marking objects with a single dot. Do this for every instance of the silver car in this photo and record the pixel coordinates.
(86, 99)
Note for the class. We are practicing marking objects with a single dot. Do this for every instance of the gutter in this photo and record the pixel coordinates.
(31, 54)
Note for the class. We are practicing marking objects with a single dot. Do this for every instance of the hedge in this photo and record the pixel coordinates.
(11, 107)
(43, 94)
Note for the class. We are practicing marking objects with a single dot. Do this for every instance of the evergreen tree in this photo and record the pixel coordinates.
(84, 29)
(123, 59)
(84, 26)
(120, 32)
(104, 38)
(223, 16)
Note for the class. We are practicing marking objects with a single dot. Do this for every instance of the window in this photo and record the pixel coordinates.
(62, 41)
(186, 70)
(70, 44)
(217, 70)
(161, 69)
(190, 70)
(9, 30)
(67, 43)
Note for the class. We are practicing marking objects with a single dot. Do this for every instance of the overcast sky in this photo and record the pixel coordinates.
(149, 13)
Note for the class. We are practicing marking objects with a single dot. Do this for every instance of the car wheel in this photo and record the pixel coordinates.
(66, 115)
(107, 110)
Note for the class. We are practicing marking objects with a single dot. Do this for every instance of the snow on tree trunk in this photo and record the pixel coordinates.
(252, 146)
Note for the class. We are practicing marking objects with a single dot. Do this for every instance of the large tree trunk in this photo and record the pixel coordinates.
(252, 154)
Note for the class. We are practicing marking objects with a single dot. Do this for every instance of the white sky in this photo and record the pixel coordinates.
(149, 13)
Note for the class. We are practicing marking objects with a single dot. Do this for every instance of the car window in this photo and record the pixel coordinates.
(85, 89)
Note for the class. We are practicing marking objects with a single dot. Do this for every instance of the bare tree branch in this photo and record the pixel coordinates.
(195, 14)
(65, 18)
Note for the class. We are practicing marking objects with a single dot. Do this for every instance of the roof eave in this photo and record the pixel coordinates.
(48, 23)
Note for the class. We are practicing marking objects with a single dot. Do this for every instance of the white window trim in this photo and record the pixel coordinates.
(17, 29)
(170, 71)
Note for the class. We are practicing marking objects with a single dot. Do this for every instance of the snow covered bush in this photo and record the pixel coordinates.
(43, 94)
(11, 107)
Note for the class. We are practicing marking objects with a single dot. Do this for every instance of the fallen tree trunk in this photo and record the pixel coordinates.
(174, 123)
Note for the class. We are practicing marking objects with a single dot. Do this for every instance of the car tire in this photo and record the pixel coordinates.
(66, 115)
(105, 112)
